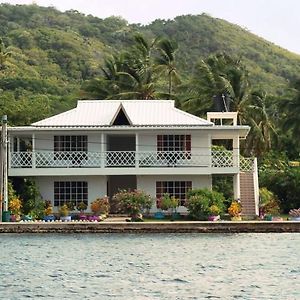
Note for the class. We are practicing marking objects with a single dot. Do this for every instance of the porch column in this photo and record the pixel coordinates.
(236, 163)
(236, 187)
(102, 155)
(33, 150)
(136, 150)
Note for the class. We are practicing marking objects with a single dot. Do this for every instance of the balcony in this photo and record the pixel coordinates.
(127, 159)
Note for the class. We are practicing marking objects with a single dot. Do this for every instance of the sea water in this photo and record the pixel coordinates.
(150, 266)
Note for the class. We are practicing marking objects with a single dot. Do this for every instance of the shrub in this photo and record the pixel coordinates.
(100, 206)
(133, 202)
(48, 208)
(268, 202)
(202, 202)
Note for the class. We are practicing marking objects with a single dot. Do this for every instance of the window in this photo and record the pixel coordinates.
(174, 142)
(70, 191)
(70, 143)
(75, 144)
(178, 189)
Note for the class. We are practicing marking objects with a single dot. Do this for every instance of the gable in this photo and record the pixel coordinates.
(120, 118)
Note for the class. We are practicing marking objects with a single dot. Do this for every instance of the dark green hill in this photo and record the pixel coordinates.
(52, 53)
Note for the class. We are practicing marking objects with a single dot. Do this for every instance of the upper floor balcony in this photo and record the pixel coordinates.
(215, 162)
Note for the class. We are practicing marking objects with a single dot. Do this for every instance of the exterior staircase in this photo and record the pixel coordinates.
(248, 193)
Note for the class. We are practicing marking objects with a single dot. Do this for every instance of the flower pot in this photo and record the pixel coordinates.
(268, 218)
(236, 218)
(213, 218)
(175, 216)
(296, 218)
(66, 218)
(94, 218)
(49, 218)
(83, 217)
(159, 215)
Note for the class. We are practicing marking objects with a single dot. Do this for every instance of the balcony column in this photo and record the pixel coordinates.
(9, 149)
(103, 156)
(18, 144)
(136, 150)
(236, 152)
(33, 151)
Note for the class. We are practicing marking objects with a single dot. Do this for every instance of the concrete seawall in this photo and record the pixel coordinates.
(152, 227)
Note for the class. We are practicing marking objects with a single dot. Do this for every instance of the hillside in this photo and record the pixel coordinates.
(53, 53)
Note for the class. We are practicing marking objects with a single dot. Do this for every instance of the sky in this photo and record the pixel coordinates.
(277, 21)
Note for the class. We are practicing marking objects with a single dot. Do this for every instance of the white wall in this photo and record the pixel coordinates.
(96, 186)
(148, 184)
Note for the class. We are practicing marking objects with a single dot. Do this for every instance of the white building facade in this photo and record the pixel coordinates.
(103, 146)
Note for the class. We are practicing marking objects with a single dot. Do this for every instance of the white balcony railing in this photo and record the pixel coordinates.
(115, 159)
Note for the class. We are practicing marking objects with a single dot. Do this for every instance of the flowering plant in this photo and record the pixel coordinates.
(235, 209)
(100, 206)
(214, 210)
(133, 202)
(64, 210)
(81, 206)
(15, 205)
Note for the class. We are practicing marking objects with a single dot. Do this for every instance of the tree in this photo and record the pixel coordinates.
(4, 54)
(165, 61)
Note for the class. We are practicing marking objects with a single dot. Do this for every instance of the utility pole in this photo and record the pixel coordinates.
(5, 175)
(1, 174)
(4, 181)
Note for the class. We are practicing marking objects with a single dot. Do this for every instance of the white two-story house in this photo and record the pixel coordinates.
(102, 146)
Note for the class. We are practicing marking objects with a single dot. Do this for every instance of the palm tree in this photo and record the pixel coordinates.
(165, 62)
(3, 54)
(263, 131)
(291, 108)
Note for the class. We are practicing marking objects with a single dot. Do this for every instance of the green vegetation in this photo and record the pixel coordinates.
(203, 203)
(50, 59)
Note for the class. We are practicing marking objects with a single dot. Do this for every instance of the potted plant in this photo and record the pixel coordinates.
(214, 213)
(269, 204)
(100, 208)
(235, 210)
(81, 207)
(167, 203)
(295, 214)
(48, 212)
(64, 213)
(15, 205)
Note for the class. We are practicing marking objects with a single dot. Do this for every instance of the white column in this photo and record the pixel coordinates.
(33, 150)
(9, 150)
(18, 144)
(136, 150)
(103, 156)
(236, 187)
(236, 163)
(236, 152)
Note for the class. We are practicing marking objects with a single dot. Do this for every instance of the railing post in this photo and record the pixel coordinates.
(137, 150)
